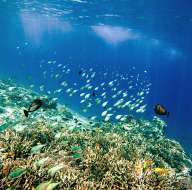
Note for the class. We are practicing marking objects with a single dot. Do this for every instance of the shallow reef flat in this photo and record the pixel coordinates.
(57, 149)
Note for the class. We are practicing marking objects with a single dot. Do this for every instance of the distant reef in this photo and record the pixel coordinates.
(55, 148)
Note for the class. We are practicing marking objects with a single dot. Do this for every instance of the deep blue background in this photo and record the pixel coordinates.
(168, 21)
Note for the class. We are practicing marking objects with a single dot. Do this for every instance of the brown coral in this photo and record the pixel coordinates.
(105, 158)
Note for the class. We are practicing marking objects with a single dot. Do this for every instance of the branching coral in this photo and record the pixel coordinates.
(48, 153)
(106, 160)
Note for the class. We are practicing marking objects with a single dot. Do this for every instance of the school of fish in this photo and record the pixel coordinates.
(107, 96)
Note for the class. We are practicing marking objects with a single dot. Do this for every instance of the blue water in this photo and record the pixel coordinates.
(122, 36)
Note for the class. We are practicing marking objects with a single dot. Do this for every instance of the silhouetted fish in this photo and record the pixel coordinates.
(161, 110)
(93, 94)
(80, 72)
(35, 105)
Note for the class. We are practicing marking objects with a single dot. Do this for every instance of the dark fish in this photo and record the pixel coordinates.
(93, 94)
(35, 105)
(80, 72)
(161, 110)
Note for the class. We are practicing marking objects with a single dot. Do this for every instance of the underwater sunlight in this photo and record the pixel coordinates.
(95, 95)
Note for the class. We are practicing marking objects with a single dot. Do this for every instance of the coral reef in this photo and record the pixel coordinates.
(50, 150)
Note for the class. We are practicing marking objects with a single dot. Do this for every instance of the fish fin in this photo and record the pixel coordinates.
(168, 114)
(26, 113)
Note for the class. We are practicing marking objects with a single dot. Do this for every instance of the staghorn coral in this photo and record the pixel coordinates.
(130, 155)
(102, 163)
